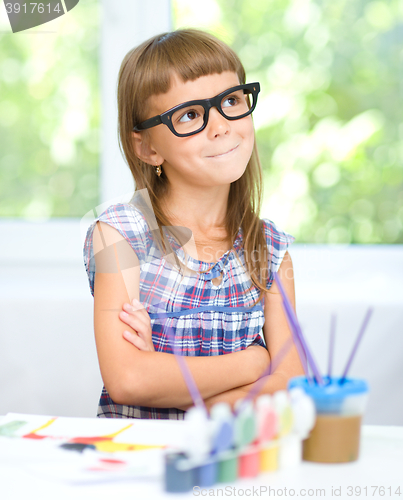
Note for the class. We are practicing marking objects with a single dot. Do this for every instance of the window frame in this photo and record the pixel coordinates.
(56, 240)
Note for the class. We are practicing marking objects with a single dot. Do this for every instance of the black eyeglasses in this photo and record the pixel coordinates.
(191, 117)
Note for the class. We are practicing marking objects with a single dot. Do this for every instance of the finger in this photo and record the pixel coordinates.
(138, 342)
(138, 306)
(142, 330)
(131, 309)
(137, 311)
(143, 318)
(135, 321)
(134, 339)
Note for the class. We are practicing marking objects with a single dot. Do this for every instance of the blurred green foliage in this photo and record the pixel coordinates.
(329, 118)
(49, 118)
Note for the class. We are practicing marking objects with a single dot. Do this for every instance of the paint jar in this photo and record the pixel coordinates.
(178, 476)
(340, 405)
(228, 466)
(206, 474)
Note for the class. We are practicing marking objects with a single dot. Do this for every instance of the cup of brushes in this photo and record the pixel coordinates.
(257, 437)
(340, 404)
(339, 401)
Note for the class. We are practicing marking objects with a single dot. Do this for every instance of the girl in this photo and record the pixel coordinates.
(189, 252)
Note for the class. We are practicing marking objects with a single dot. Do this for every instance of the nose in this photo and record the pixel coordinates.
(217, 124)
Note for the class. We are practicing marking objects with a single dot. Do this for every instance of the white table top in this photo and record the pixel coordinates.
(380, 465)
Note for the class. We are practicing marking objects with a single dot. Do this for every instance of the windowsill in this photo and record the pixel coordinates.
(46, 259)
(59, 240)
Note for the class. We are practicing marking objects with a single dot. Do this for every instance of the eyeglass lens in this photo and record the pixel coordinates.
(191, 118)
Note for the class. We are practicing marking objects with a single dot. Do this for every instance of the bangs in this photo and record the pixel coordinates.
(189, 54)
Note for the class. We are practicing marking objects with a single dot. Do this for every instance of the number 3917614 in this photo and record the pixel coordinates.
(374, 491)
(31, 8)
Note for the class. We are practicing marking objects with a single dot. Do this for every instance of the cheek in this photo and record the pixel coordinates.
(249, 133)
(174, 149)
(163, 141)
(246, 127)
(251, 127)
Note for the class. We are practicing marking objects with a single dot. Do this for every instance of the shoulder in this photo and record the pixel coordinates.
(276, 239)
(125, 218)
(277, 242)
(121, 221)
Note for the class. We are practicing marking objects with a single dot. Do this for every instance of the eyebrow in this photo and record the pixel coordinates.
(200, 99)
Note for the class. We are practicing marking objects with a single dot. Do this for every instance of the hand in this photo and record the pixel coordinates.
(137, 318)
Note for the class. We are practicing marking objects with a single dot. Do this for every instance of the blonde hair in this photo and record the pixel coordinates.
(146, 71)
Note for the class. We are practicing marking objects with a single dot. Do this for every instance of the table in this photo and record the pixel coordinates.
(380, 465)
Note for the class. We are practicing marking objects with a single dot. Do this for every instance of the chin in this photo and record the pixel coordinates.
(238, 174)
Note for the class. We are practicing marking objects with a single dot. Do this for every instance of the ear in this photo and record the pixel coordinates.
(144, 150)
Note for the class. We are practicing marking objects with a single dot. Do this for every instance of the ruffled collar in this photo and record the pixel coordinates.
(199, 265)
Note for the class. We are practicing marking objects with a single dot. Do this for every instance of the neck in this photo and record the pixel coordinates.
(202, 212)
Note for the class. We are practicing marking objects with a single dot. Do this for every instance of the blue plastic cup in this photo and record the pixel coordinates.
(339, 406)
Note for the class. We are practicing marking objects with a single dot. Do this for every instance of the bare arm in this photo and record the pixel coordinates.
(276, 332)
(135, 377)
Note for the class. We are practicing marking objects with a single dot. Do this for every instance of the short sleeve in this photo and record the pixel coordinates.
(277, 242)
(130, 223)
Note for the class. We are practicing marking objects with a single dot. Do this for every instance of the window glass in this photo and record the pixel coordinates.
(329, 116)
(49, 116)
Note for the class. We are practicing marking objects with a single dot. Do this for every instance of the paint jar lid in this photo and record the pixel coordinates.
(334, 396)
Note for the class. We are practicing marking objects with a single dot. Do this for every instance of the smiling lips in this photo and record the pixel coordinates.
(223, 154)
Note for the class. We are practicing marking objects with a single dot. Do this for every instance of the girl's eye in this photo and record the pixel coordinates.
(190, 115)
(230, 101)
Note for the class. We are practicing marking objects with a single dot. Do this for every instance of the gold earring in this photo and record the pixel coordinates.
(158, 170)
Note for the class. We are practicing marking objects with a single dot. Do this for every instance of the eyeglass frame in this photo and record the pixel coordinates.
(207, 104)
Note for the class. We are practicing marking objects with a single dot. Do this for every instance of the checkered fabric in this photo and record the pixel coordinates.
(207, 319)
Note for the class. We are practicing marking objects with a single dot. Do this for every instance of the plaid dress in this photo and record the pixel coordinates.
(207, 319)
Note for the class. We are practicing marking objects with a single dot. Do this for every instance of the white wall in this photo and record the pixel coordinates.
(346, 281)
(48, 361)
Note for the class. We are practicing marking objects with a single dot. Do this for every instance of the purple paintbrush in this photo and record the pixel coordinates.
(297, 343)
(293, 328)
(296, 329)
(331, 345)
(357, 342)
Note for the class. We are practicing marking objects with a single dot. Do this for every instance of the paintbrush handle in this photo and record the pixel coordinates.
(331, 345)
(297, 329)
(357, 342)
